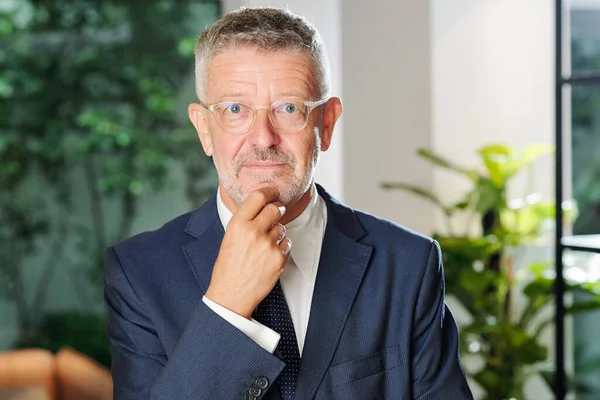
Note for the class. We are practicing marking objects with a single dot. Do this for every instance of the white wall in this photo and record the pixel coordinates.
(387, 96)
(492, 81)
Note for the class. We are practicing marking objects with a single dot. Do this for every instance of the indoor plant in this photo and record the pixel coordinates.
(93, 98)
(480, 269)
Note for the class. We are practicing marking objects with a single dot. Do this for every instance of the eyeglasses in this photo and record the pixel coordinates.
(287, 116)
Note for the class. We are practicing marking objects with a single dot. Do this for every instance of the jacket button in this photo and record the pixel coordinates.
(250, 397)
(254, 391)
(262, 382)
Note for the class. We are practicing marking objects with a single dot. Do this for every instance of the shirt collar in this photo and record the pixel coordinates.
(302, 231)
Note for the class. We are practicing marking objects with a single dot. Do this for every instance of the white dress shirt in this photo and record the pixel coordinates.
(298, 278)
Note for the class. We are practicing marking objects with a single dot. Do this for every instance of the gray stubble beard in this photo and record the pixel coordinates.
(294, 191)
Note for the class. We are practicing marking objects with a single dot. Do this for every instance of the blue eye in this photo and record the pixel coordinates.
(234, 108)
(290, 108)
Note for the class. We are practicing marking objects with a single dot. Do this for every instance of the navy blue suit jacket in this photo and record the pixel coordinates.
(378, 326)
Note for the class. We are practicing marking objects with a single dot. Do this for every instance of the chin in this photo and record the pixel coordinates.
(249, 187)
(287, 190)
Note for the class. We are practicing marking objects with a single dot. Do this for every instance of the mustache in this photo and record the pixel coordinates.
(257, 154)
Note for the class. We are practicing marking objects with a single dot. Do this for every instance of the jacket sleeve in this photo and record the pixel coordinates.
(212, 360)
(437, 371)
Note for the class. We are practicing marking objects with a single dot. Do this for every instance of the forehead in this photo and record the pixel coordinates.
(249, 72)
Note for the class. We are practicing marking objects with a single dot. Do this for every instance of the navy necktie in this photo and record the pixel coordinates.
(273, 312)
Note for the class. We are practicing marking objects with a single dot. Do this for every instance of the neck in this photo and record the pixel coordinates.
(292, 210)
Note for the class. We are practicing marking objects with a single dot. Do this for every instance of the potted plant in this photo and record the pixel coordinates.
(480, 269)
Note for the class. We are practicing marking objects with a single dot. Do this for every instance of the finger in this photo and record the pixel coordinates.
(286, 246)
(255, 202)
(277, 233)
(269, 216)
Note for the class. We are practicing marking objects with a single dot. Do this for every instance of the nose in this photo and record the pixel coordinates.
(263, 134)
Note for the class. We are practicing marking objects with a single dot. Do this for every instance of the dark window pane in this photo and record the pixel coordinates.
(585, 41)
(585, 60)
(586, 157)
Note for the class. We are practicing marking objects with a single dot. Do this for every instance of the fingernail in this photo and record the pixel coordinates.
(282, 210)
(281, 235)
(287, 250)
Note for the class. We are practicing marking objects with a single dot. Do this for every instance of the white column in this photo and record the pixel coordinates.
(492, 82)
(387, 94)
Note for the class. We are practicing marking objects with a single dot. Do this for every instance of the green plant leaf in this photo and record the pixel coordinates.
(539, 293)
(582, 307)
(496, 149)
(538, 269)
(532, 152)
(466, 202)
(495, 158)
(503, 162)
(523, 345)
(478, 248)
(527, 221)
(461, 205)
(477, 281)
(489, 197)
(548, 377)
(488, 379)
(444, 163)
(418, 191)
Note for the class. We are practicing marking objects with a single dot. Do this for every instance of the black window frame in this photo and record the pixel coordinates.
(563, 243)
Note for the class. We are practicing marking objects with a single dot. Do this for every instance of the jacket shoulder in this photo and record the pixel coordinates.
(384, 232)
(171, 232)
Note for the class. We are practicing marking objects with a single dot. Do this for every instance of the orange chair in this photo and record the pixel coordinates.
(81, 378)
(31, 368)
(68, 375)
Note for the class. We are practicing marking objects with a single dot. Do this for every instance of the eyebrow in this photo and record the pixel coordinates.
(237, 95)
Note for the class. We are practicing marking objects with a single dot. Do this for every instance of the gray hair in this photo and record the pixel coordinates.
(266, 29)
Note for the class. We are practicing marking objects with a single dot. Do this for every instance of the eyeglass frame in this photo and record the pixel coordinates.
(309, 103)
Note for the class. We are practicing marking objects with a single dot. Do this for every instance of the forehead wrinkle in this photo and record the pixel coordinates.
(233, 89)
(298, 88)
(264, 79)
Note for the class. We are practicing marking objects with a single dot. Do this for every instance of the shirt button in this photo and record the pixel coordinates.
(254, 391)
(262, 382)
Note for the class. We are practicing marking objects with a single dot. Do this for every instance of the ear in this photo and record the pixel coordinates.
(198, 117)
(331, 112)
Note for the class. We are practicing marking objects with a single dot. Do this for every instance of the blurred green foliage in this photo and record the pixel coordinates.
(79, 331)
(480, 269)
(93, 99)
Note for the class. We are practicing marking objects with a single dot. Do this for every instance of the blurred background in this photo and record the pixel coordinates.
(451, 116)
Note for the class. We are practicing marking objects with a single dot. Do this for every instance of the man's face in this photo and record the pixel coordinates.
(262, 156)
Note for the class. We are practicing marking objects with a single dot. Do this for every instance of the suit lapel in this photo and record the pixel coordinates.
(202, 253)
(342, 266)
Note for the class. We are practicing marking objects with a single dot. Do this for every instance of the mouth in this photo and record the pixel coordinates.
(265, 165)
